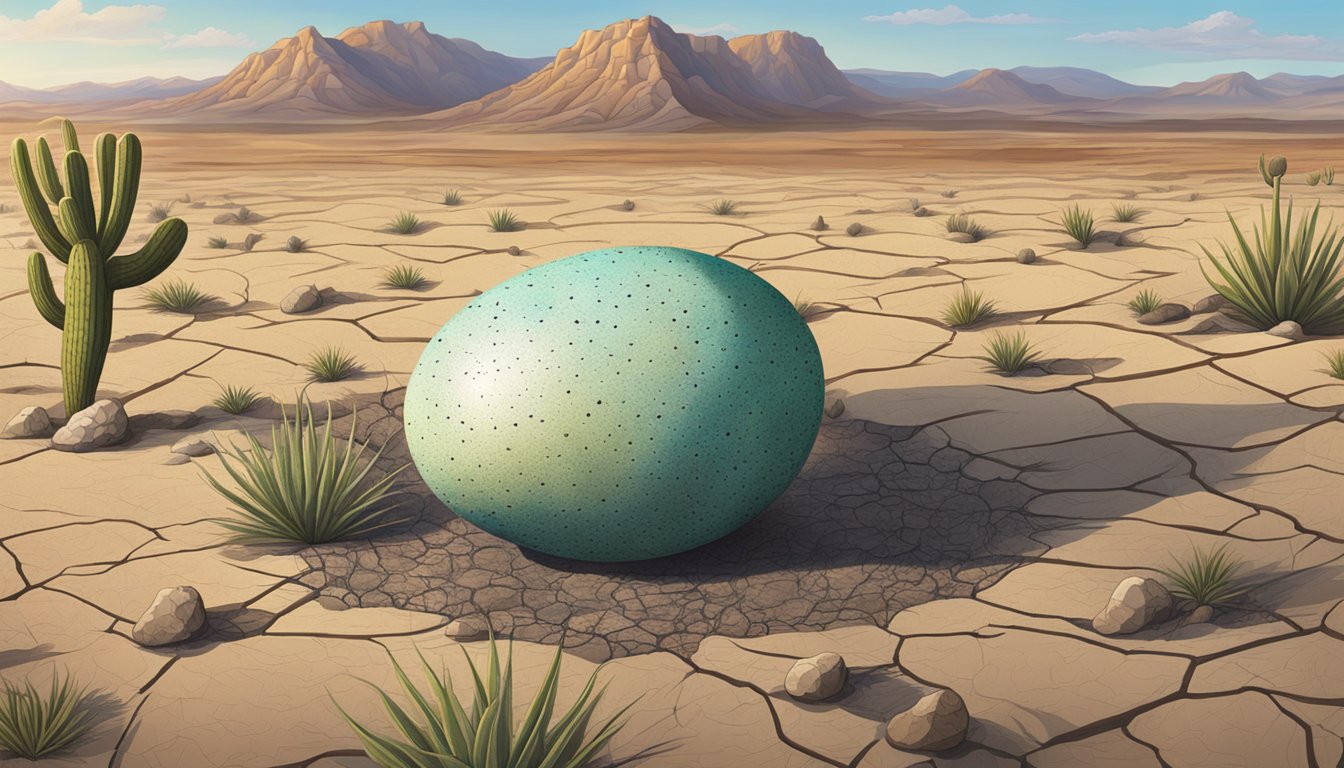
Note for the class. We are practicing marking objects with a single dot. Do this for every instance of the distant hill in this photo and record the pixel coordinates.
(1238, 86)
(89, 92)
(900, 84)
(1000, 89)
(1076, 81)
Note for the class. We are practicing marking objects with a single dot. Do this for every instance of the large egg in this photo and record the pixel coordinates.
(621, 404)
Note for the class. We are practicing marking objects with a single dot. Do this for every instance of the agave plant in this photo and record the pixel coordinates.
(1207, 578)
(34, 724)
(1283, 274)
(448, 735)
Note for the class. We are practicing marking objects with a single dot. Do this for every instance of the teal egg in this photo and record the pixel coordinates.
(620, 404)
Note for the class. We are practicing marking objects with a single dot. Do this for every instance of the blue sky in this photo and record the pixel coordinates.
(47, 42)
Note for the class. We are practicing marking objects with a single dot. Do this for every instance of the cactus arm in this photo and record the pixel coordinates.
(79, 189)
(88, 325)
(74, 222)
(21, 165)
(125, 187)
(105, 156)
(145, 264)
(43, 292)
(70, 136)
(46, 172)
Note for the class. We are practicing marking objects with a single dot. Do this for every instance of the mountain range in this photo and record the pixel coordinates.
(641, 74)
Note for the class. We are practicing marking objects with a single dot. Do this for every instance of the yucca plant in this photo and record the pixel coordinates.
(1144, 302)
(967, 308)
(1283, 275)
(1207, 578)
(306, 487)
(235, 400)
(961, 222)
(448, 735)
(404, 276)
(331, 364)
(405, 223)
(1125, 212)
(34, 724)
(176, 296)
(296, 244)
(1079, 224)
(1009, 354)
(723, 207)
(504, 220)
(1334, 361)
(452, 197)
(216, 241)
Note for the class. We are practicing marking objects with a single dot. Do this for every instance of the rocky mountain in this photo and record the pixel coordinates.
(379, 68)
(1239, 86)
(640, 74)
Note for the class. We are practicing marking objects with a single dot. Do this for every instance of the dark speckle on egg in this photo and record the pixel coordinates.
(620, 404)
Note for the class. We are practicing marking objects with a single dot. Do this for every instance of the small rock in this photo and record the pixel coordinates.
(816, 678)
(176, 614)
(1202, 614)
(835, 408)
(515, 250)
(176, 459)
(102, 424)
(1209, 304)
(628, 205)
(854, 230)
(305, 298)
(193, 446)
(1026, 256)
(820, 224)
(467, 628)
(1136, 603)
(33, 421)
(864, 212)
(921, 212)
(1287, 330)
(960, 237)
(1165, 313)
(936, 722)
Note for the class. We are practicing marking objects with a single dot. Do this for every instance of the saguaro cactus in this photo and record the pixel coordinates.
(86, 243)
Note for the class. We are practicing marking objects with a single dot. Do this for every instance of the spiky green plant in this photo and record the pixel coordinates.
(452, 197)
(34, 724)
(1079, 225)
(217, 241)
(176, 296)
(85, 241)
(448, 735)
(306, 487)
(1283, 275)
(296, 244)
(967, 308)
(1207, 577)
(405, 223)
(1144, 302)
(236, 400)
(404, 276)
(723, 207)
(504, 220)
(1334, 361)
(330, 364)
(1125, 212)
(963, 223)
(1009, 354)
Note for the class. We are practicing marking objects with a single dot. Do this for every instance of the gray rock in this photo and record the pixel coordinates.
(102, 424)
(176, 614)
(193, 446)
(1165, 313)
(1287, 330)
(816, 678)
(820, 224)
(960, 237)
(1209, 304)
(176, 459)
(1202, 614)
(33, 421)
(854, 230)
(921, 212)
(936, 722)
(835, 408)
(1026, 256)
(305, 298)
(467, 628)
(515, 250)
(628, 205)
(1136, 603)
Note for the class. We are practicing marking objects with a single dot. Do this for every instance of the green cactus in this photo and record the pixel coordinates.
(86, 242)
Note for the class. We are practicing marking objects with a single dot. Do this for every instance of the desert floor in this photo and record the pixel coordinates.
(954, 527)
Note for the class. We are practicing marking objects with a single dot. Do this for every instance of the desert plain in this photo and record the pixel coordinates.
(954, 528)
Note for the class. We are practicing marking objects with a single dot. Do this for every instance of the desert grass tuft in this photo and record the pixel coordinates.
(235, 400)
(159, 211)
(296, 244)
(1125, 212)
(176, 296)
(723, 207)
(405, 223)
(404, 276)
(963, 223)
(306, 487)
(1313, 178)
(968, 308)
(804, 307)
(1207, 577)
(1146, 301)
(1079, 225)
(245, 215)
(452, 197)
(217, 241)
(504, 220)
(331, 364)
(1009, 354)
(1334, 361)
(948, 193)
(36, 723)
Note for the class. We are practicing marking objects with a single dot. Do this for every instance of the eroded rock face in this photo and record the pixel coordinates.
(1165, 313)
(816, 678)
(100, 425)
(305, 298)
(176, 614)
(1135, 603)
(936, 722)
(32, 421)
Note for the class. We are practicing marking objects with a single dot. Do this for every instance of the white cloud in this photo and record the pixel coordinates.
(212, 37)
(952, 14)
(1222, 34)
(716, 29)
(67, 21)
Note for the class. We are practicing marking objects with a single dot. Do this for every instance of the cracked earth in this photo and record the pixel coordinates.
(953, 527)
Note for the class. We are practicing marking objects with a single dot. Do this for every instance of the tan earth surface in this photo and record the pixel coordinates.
(1127, 446)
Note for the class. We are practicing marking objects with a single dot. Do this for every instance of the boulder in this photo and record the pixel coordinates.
(467, 628)
(102, 424)
(1136, 603)
(854, 230)
(1026, 256)
(176, 614)
(1209, 304)
(33, 421)
(193, 446)
(628, 205)
(820, 224)
(1287, 330)
(816, 678)
(1165, 313)
(305, 298)
(936, 722)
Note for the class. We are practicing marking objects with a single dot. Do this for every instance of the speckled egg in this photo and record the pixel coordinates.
(621, 404)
